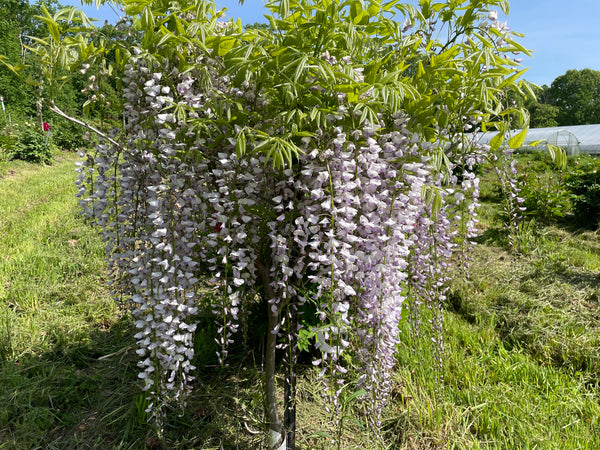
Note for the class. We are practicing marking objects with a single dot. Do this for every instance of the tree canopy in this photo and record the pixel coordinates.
(36, 70)
(572, 99)
(17, 24)
(576, 94)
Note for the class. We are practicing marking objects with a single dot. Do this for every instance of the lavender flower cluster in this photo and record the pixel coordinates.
(345, 224)
(506, 170)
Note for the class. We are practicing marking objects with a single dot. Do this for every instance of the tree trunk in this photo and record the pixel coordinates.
(277, 436)
(289, 406)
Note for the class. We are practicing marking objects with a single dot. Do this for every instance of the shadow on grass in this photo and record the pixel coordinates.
(87, 396)
(493, 236)
(53, 400)
(577, 279)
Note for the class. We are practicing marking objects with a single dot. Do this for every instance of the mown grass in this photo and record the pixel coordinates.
(522, 346)
(520, 364)
(56, 316)
(521, 359)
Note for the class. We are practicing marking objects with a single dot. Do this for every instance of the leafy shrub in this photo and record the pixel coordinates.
(67, 135)
(546, 198)
(7, 145)
(8, 138)
(32, 146)
(585, 187)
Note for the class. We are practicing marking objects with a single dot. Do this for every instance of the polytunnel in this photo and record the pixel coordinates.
(575, 139)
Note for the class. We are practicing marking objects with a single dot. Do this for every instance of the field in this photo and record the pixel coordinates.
(521, 361)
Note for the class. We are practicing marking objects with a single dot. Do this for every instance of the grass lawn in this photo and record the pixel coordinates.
(521, 360)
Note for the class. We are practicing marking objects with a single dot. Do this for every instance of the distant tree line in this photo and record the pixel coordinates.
(571, 99)
(18, 25)
(25, 95)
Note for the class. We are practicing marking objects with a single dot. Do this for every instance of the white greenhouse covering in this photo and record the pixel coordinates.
(575, 139)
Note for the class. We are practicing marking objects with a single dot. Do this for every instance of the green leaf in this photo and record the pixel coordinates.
(497, 140)
(225, 45)
(147, 19)
(240, 144)
(133, 8)
(345, 88)
(284, 8)
(53, 29)
(436, 204)
(305, 335)
(356, 13)
(371, 71)
(300, 68)
(168, 36)
(432, 196)
(374, 8)
(558, 156)
(354, 396)
(536, 143)
(420, 69)
(517, 140)
(314, 113)
(389, 5)
(510, 80)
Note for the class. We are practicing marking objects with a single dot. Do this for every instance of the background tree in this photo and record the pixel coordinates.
(542, 115)
(26, 86)
(576, 94)
(572, 99)
(17, 21)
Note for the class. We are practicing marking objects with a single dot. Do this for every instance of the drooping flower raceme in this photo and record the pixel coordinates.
(344, 225)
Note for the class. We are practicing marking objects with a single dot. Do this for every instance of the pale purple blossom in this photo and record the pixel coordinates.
(346, 224)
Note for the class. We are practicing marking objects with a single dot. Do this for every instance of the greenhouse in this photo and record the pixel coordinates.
(574, 139)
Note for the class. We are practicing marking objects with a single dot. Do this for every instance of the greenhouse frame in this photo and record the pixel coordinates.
(575, 139)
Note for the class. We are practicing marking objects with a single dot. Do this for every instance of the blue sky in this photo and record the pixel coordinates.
(564, 34)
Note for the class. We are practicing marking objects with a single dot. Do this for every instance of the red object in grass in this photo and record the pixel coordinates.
(45, 126)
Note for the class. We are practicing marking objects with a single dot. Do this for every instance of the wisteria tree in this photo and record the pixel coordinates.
(326, 159)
